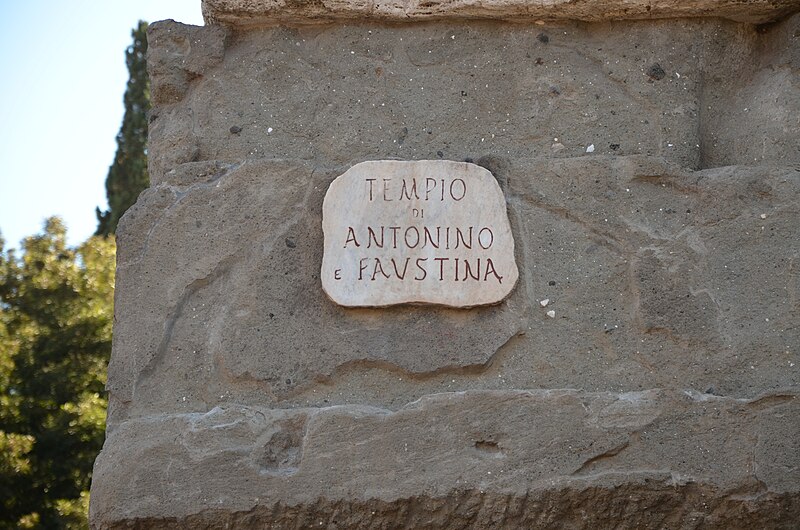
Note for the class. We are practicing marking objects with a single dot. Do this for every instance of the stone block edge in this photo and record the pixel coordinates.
(267, 12)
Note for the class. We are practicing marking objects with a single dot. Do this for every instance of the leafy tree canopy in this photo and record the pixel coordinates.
(56, 311)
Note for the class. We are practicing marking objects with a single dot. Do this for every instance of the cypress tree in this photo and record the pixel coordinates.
(127, 176)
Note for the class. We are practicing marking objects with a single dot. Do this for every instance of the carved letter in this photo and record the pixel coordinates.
(416, 232)
(378, 267)
(429, 239)
(430, 184)
(485, 234)
(351, 236)
(394, 230)
(371, 237)
(404, 192)
(441, 266)
(405, 268)
(463, 189)
(460, 235)
(468, 270)
(422, 269)
(490, 267)
(385, 186)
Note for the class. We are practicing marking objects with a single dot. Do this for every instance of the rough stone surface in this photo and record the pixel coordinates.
(487, 459)
(425, 232)
(663, 393)
(253, 12)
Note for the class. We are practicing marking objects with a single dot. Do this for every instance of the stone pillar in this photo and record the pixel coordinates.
(643, 369)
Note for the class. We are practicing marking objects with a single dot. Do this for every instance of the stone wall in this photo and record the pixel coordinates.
(651, 174)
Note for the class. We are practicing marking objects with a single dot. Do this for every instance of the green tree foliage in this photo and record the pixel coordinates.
(127, 176)
(56, 311)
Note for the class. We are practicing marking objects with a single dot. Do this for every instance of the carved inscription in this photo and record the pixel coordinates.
(430, 232)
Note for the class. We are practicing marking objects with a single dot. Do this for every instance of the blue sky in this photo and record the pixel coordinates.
(63, 78)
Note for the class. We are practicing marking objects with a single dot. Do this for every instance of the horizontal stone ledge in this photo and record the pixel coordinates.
(642, 501)
(285, 467)
(266, 12)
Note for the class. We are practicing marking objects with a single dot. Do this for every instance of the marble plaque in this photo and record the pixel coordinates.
(419, 232)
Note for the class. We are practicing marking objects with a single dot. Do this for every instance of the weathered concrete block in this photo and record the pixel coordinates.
(642, 373)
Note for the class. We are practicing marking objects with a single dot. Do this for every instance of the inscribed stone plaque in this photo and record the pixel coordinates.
(426, 232)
